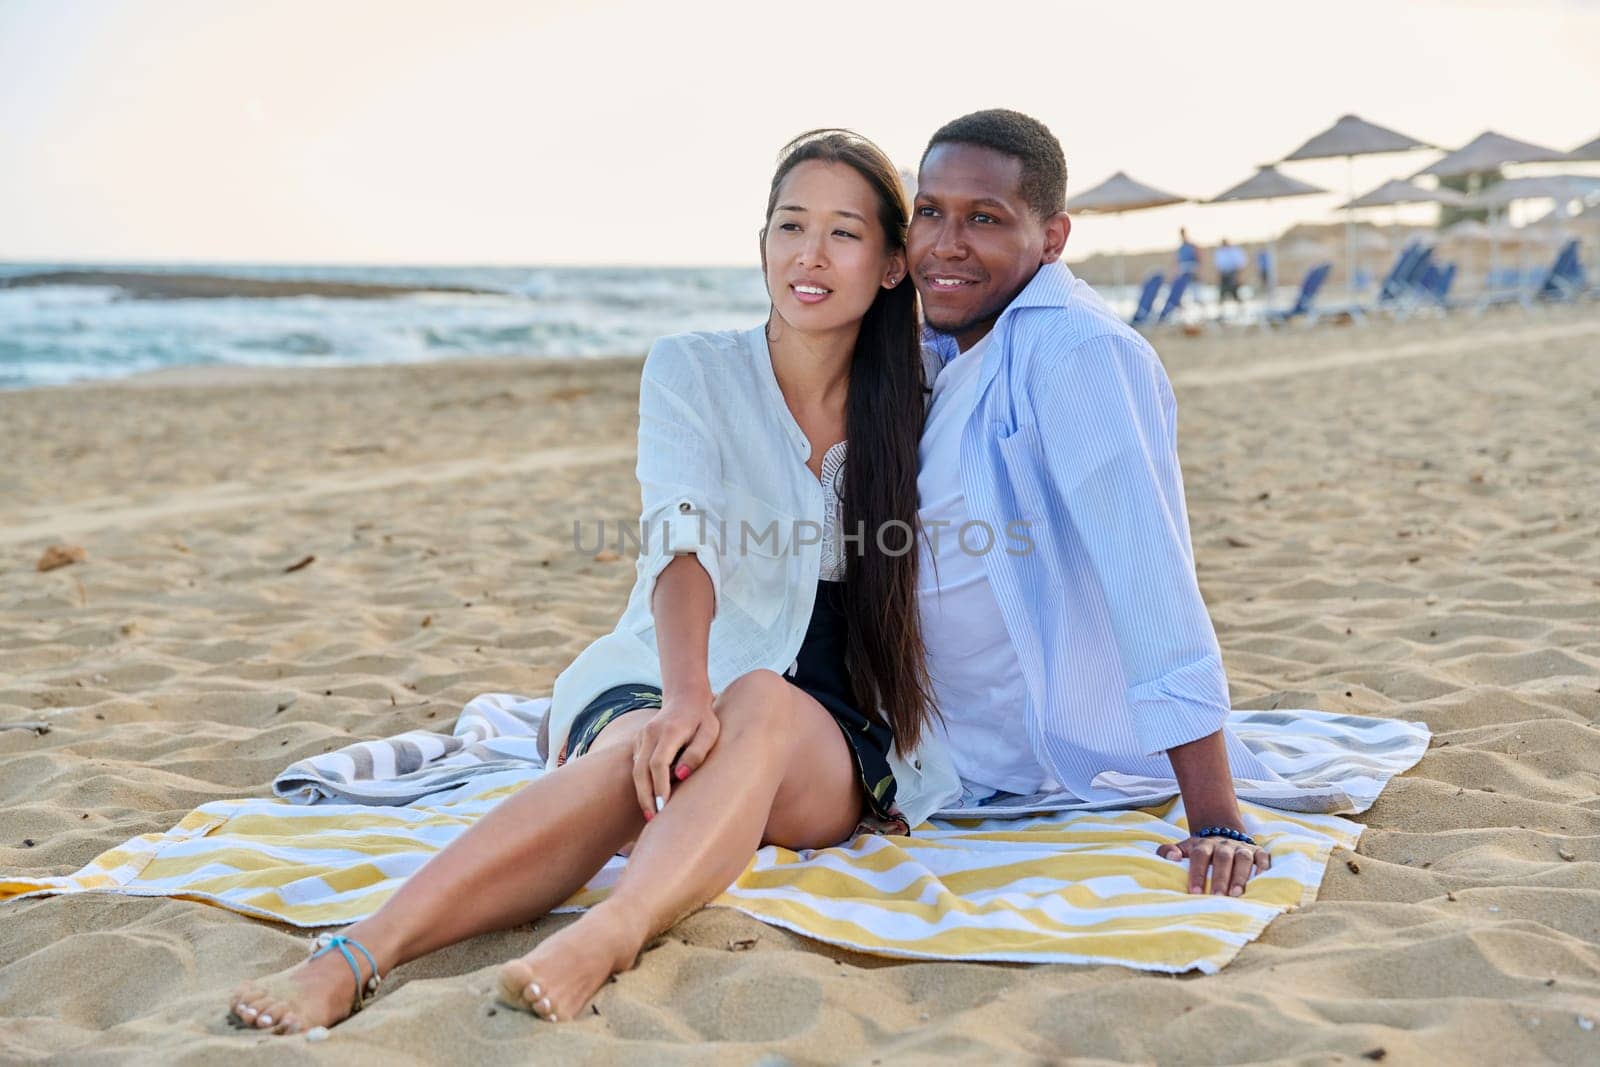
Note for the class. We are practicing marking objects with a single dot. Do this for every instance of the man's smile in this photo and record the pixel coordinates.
(947, 283)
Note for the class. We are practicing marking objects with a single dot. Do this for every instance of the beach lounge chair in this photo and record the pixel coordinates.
(1407, 268)
(1507, 285)
(1180, 286)
(1147, 299)
(1430, 278)
(1433, 287)
(1505, 278)
(1406, 288)
(1399, 290)
(1564, 280)
(1306, 299)
(1437, 283)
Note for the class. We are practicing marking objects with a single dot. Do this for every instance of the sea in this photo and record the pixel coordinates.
(55, 335)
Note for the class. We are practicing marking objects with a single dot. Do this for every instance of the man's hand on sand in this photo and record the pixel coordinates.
(1231, 863)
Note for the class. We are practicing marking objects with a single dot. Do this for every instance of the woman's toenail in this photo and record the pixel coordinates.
(535, 991)
(267, 1019)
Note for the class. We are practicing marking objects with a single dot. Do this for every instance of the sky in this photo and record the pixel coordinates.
(623, 132)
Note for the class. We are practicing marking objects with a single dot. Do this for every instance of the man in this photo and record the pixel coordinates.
(1090, 650)
(1188, 254)
(1231, 261)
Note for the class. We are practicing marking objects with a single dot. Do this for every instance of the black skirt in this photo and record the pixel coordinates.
(819, 670)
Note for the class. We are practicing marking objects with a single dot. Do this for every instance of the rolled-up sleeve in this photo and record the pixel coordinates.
(1107, 423)
(679, 469)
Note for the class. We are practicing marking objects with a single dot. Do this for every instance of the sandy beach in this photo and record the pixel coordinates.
(1400, 520)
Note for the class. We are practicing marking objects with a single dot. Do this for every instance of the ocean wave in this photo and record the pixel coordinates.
(52, 335)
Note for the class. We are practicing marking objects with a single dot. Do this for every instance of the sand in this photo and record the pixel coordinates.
(1400, 520)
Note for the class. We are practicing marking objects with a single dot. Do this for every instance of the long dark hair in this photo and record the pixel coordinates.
(883, 423)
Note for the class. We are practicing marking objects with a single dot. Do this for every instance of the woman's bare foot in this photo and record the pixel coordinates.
(557, 980)
(319, 992)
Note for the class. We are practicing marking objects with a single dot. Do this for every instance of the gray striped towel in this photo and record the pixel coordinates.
(1324, 762)
(495, 732)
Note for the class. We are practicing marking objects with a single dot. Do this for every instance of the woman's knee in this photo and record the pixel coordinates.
(759, 704)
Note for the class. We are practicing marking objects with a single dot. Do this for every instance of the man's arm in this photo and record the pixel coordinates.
(1206, 783)
(1106, 431)
(1112, 462)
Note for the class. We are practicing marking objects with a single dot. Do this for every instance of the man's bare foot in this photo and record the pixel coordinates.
(319, 992)
(557, 980)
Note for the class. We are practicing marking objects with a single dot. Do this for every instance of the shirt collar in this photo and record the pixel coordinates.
(1050, 286)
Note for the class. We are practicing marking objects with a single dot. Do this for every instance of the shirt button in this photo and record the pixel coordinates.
(684, 507)
(917, 764)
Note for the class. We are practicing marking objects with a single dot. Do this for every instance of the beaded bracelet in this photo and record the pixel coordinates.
(1228, 832)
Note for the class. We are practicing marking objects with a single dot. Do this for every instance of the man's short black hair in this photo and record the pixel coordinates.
(1011, 133)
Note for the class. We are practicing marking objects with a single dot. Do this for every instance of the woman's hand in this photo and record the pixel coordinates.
(1230, 862)
(671, 746)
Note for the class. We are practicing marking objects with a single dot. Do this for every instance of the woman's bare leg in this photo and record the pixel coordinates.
(525, 856)
(780, 772)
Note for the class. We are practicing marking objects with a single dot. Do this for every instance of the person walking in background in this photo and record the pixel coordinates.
(1188, 254)
(1231, 262)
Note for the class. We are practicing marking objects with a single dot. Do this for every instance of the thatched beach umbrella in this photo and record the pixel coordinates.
(1396, 191)
(1542, 234)
(1586, 153)
(1466, 230)
(1562, 188)
(1501, 232)
(1498, 237)
(1268, 184)
(1488, 152)
(1118, 195)
(1372, 241)
(1353, 136)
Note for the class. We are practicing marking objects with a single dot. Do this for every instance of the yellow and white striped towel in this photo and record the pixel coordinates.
(1063, 887)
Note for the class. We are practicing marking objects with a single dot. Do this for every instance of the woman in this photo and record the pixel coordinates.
(766, 679)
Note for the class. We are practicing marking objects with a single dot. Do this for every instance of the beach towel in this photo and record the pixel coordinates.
(494, 732)
(1326, 762)
(1059, 886)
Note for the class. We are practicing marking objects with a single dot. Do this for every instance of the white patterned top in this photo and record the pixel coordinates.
(720, 454)
(833, 557)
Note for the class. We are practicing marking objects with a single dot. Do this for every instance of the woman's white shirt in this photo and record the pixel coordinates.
(723, 477)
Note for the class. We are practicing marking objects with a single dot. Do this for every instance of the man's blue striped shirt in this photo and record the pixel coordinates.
(1074, 432)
